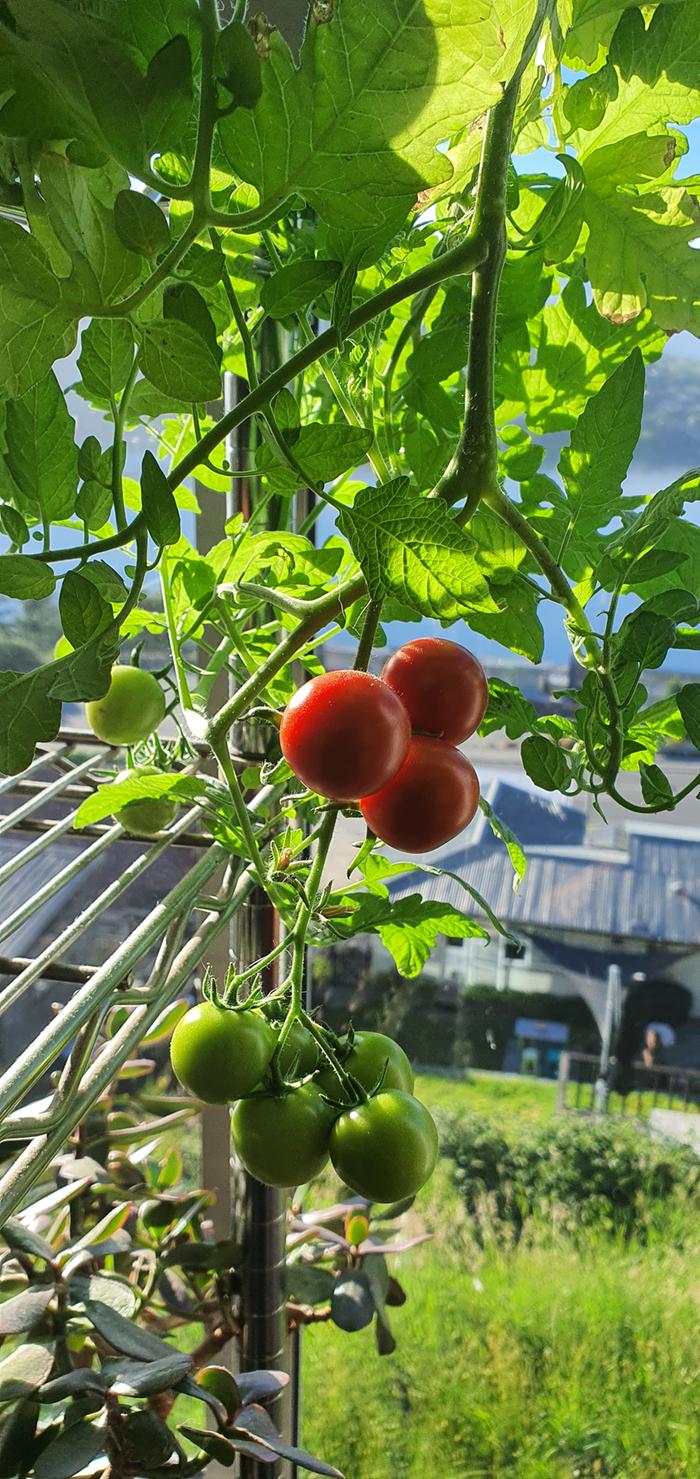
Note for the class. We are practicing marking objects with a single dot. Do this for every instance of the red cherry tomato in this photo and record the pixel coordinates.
(345, 734)
(442, 686)
(431, 799)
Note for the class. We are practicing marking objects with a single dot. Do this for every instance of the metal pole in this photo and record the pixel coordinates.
(611, 1017)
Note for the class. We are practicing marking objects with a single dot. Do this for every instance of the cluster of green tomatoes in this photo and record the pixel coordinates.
(351, 1100)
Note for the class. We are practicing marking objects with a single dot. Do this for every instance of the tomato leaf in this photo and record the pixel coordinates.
(411, 548)
(159, 507)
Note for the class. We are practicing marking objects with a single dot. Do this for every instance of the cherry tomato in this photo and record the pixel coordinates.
(442, 686)
(150, 814)
(345, 734)
(386, 1148)
(283, 1139)
(300, 1051)
(366, 1061)
(131, 709)
(218, 1054)
(432, 798)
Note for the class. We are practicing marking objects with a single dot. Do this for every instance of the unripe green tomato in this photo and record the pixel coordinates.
(148, 815)
(283, 1140)
(219, 1055)
(130, 710)
(299, 1052)
(222, 1385)
(386, 1148)
(366, 1061)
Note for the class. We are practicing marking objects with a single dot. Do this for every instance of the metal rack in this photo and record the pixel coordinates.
(180, 936)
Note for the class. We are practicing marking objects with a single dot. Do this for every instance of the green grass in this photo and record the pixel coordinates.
(556, 1359)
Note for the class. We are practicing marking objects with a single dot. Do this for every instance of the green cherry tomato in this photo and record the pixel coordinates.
(218, 1054)
(299, 1053)
(386, 1148)
(149, 814)
(369, 1054)
(131, 709)
(283, 1140)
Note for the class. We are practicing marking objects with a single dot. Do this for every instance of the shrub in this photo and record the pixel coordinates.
(577, 1172)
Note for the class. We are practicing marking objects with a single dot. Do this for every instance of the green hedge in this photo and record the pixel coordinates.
(582, 1172)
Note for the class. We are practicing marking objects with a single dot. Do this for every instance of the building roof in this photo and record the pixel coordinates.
(645, 886)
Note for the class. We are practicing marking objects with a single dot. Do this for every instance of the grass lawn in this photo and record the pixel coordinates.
(556, 1359)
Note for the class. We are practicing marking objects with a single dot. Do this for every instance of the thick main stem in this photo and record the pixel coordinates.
(473, 470)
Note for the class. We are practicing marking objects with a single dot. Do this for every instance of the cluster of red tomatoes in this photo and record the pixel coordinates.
(384, 1147)
(390, 742)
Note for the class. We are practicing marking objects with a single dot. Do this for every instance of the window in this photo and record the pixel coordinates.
(514, 952)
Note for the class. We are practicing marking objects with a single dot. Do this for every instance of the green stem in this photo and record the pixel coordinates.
(369, 632)
(221, 751)
(498, 501)
(183, 691)
(473, 470)
(668, 806)
(463, 258)
(412, 323)
(254, 970)
(160, 274)
(295, 979)
(118, 417)
(320, 612)
(97, 547)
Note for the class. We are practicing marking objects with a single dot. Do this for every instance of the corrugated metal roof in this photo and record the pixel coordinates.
(648, 890)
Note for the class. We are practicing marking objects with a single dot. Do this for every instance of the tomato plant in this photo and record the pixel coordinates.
(450, 259)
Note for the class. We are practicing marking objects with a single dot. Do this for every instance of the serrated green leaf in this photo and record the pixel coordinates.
(80, 208)
(322, 452)
(595, 463)
(25, 579)
(41, 451)
(507, 709)
(545, 763)
(370, 145)
(159, 507)
(184, 303)
(106, 354)
(178, 361)
(645, 638)
(89, 74)
(639, 253)
(410, 547)
(135, 788)
(35, 325)
(297, 285)
(13, 525)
